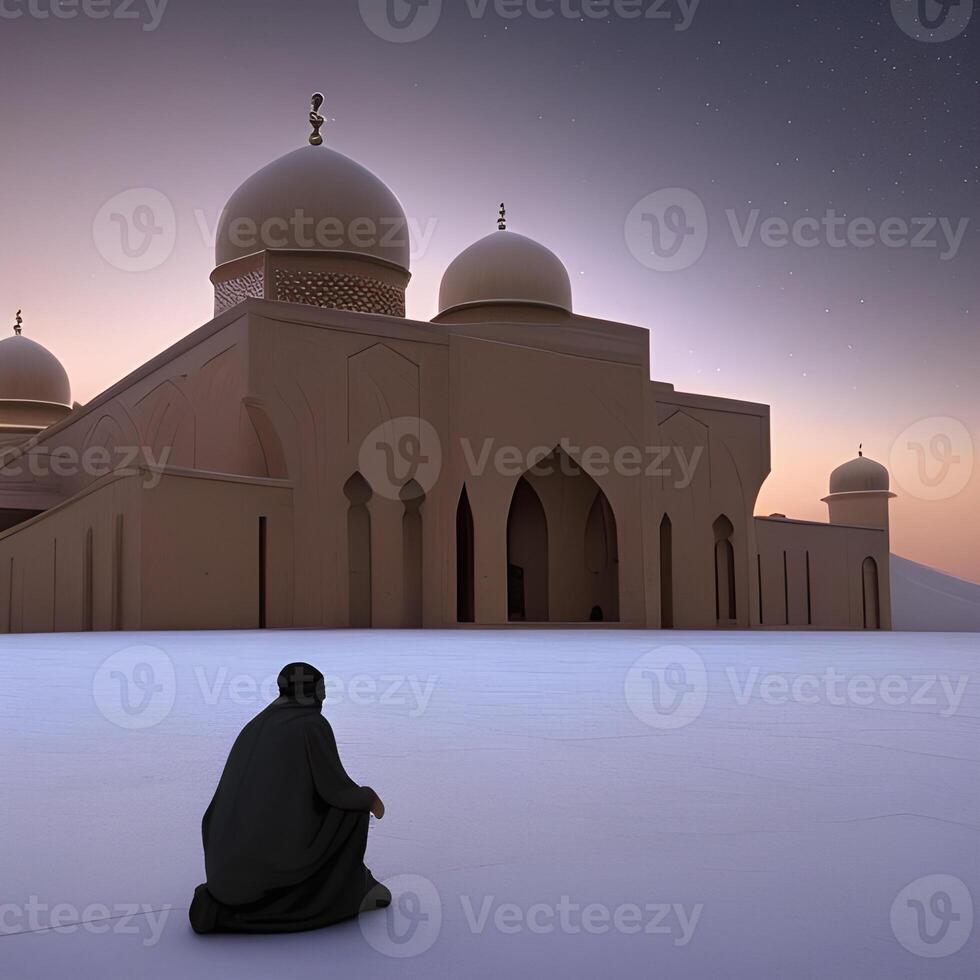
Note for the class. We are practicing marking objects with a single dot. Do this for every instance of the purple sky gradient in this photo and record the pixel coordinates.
(791, 108)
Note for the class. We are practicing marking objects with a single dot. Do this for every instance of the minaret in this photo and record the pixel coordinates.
(860, 492)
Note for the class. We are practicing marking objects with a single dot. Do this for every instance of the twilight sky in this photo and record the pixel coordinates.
(827, 110)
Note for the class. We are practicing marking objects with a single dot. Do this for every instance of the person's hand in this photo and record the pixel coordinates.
(377, 807)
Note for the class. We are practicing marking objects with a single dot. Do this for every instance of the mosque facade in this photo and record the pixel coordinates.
(311, 458)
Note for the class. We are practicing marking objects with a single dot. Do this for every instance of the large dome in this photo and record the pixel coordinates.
(314, 199)
(860, 475)
(31, 373)
(506, 268)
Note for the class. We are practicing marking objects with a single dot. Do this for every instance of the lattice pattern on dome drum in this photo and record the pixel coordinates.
(339, 292)
(251, 285)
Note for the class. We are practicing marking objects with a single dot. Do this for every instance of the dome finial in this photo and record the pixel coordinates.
(316, 120)
(502, 220)
(19, 323)
(861, 451)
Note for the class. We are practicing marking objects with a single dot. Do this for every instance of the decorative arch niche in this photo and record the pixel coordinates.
(726, 608)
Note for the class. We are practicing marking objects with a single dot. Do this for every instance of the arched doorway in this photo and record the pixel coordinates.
(602, 561)
(872, 600)
(465, 590)
(527, 557)
(358, 493)
(726, 609)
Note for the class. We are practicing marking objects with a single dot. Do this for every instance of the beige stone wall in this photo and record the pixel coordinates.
(835, 555)
(182, 553)
(264, 412)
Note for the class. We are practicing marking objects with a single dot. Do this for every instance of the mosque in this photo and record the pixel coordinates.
(310, 458)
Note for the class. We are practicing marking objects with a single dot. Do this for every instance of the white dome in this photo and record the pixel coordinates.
(506, 268)
(860, 476)
(31, 373)
(292, 195)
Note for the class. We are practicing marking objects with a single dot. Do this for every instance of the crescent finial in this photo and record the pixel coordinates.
(316, 120)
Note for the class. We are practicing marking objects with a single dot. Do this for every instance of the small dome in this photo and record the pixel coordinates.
(859, 476)
(31, 373)
(314, 199)
(506, 268)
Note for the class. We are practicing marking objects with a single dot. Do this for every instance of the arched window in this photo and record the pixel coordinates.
(358, 493)
(465, 591)
(602, 560)
(872, 601)
(725, 606)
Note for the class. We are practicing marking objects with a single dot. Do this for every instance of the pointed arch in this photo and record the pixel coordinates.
(872, 597)
(726, 608)
(601, 551)
(358, 493)
(465, 558)
(527, 556)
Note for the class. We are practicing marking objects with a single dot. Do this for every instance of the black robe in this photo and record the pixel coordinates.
(285, 835)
